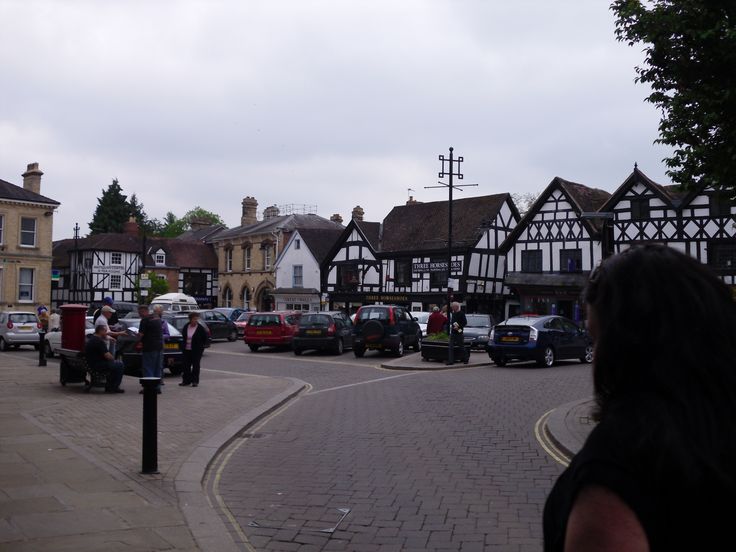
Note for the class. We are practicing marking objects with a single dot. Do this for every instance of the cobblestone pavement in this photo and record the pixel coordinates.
(423, 460)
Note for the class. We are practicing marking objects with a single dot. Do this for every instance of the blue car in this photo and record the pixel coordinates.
(544, 339)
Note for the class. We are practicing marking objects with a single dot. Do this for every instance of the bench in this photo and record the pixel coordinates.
(73, 368)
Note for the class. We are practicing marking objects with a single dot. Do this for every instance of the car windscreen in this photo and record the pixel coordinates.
(264, 320)
(421, 317)
(23, 318)
(372, 313)
(243, 317)
(315, 319)
(479, 320)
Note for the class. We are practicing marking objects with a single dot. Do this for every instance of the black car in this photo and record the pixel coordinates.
(541, 338)
(233, 313)
(128, 349)
(221, 327)
(180, 321)
(331, 331)
(477, 330)
(385, 328)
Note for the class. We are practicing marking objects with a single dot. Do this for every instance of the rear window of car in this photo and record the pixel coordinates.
(372, 313)
(264, 320)
(316, 319)
(478, 320)
(520, 321)
(23, 318)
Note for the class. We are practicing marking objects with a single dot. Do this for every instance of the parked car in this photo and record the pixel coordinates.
(385, 328)
(241, 322)
(231, 313)
(52, 340)
(422, 318)
(478, 330)
(271, 329)
(541, 338)
(180, 320)
(331, 331)
(175, 302)
(128, 349)
(18, 328)
(221, 327)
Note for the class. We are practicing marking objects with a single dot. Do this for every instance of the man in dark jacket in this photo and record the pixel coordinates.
(458, 321)
(152, 344)
(99, 358)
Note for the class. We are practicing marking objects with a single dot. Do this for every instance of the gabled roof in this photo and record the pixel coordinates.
(287, 223)
(424, 226)
(369, 230)
(372, 232)
(320, 240)
(18, 193)
(582, 199)
(670, 195)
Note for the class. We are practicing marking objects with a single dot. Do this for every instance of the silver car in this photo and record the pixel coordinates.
(18, 328)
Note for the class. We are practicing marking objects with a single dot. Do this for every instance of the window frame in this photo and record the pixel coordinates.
(248, 258)
(117, 254)
(228, 260)
(297, 281)
(402, 272)
(530, 258)
(2, 228)
(721, 254)
(577, 258)
(32, 284)
(119, 278)
(23, 232)
(640, 208)
(719, 205)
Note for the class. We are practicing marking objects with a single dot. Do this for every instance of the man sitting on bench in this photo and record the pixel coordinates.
(100, 359)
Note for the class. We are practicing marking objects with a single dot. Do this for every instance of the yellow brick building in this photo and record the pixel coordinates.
(26, 224)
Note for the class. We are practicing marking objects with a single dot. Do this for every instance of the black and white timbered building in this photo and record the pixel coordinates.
(404, 259)
(699, 223)
(553, 248)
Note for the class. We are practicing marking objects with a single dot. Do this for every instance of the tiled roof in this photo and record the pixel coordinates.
(287, 223)
(18, 193)
(202, 234)
(587, 199)
(372, 232)
(320, 240)
(424, 226)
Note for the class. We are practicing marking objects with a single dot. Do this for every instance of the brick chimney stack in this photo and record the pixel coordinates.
(336, 218)
(358, 213)
(270, 212)
(32, 178)
(131, 227)
(250, 208)
(411, 201)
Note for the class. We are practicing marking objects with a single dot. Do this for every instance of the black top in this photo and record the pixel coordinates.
(95, 350)
(680, 501)
(459, 318)
(152, 340)
(199, 339)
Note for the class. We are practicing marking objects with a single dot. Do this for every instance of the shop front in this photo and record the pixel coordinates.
(350, 302)
(549, 293)
(296, 299)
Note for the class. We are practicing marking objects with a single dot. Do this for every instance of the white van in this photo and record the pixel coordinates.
(175, 302)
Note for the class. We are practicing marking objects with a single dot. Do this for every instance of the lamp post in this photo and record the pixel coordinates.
(450, 168)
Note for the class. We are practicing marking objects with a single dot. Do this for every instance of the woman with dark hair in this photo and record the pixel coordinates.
(659, 470)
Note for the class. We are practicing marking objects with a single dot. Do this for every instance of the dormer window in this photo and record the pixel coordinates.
(640, 208)
(159, 258)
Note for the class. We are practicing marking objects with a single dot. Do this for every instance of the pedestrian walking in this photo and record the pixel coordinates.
(658, 472)
(195, 339)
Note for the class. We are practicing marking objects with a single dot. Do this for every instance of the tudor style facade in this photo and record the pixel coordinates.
(404, 260)
(551, 251)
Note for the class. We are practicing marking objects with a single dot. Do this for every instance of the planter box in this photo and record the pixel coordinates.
(437, 350)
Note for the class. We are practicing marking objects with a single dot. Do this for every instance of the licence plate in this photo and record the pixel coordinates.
(510, 339)
(171, 345)
(263, 332)
(313, 332)
(372, 346)
(25, 328)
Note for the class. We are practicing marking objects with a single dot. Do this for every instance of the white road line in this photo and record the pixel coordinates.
(296, 359)
(363, 383)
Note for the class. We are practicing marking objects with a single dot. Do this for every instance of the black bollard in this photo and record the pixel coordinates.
(42, 348)
(150, 424)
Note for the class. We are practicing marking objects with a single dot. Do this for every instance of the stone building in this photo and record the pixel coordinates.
(26, 225)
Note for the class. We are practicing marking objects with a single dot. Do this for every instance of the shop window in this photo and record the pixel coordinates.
(531, 261)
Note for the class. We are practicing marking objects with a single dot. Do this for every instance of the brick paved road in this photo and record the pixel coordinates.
(424, 461)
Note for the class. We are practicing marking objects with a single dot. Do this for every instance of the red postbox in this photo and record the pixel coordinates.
(73, 326)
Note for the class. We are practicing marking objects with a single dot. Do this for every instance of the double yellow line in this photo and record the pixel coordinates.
(540, 432)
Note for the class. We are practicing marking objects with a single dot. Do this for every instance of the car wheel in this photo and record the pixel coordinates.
(254, 348)
(48, 351)
(500, 362)
(232, 336)
(359, 352)
(3, 345)
(297, 352)
(339, 347)
(548, 357)
(399, 350)
(588, 356)
(418, 344)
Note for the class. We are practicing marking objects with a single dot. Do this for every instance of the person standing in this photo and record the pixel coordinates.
(436, 321)
(112, 320)
(99, 358)
(152, 345)
(54, 321)
(458, 321)
(158, 312)
(658, 470)
(195, 339)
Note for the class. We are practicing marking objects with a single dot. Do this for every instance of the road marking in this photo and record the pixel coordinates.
(362, 383)
(221, 461)
(297, 359)
(545, 442)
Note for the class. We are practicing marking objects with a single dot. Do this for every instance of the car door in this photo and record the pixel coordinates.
(223, 324)
(347, 331)
(567, 338)
(553, 331)
(577, 339)
(213, 324)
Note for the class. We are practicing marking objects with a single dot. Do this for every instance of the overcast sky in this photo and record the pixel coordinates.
(328, 103)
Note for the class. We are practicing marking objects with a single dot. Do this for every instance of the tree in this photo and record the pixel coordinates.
(524, 201)
(112, 210)
(690, 64)
(201, 215)
(149, 226)
(172, 226)
(159, 286)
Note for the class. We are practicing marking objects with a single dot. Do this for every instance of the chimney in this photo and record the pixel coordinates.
(197, 223)
(131, 227)
(358, 213)
(270, 212)
(250, 207)
(336, 218)
(32, 178)
(411, 201)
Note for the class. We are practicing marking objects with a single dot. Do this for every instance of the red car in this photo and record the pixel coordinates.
(274, 329)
